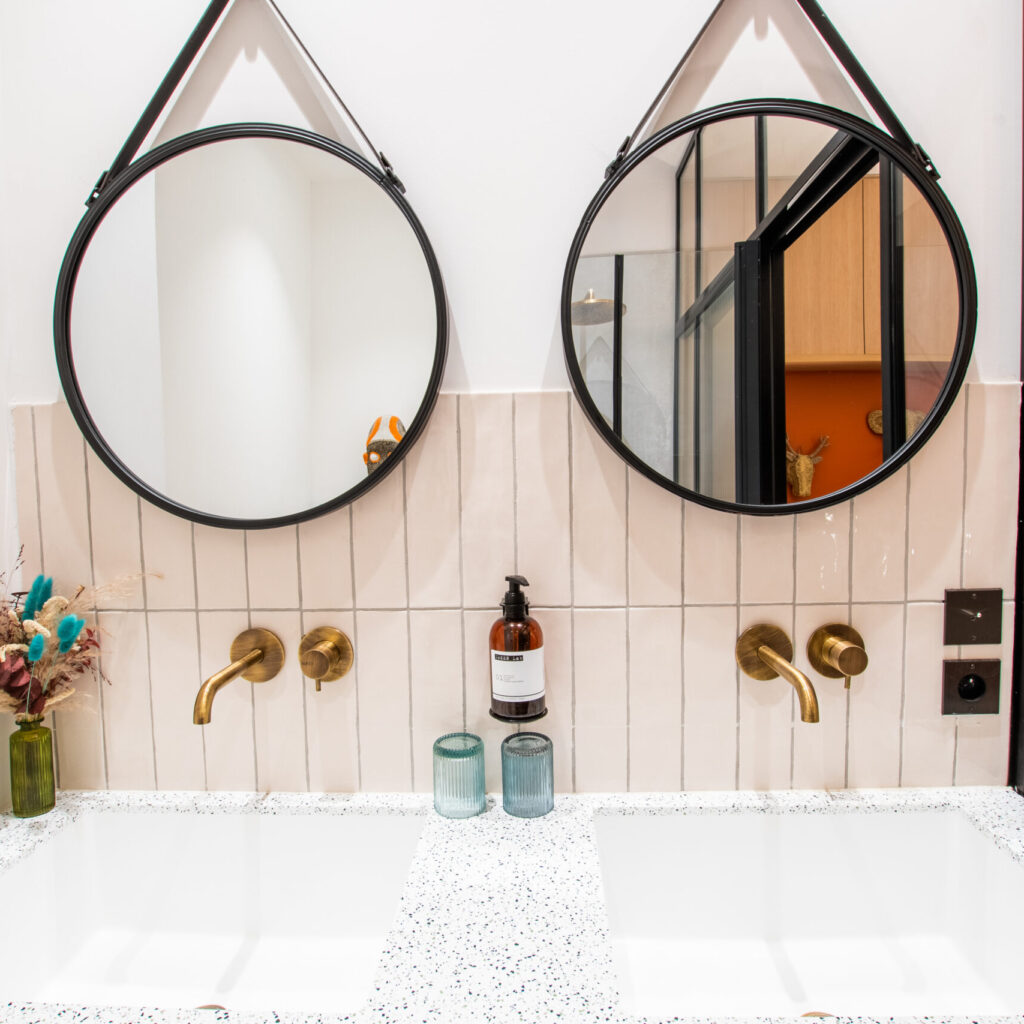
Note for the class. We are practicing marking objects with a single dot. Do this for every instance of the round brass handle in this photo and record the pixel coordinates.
(846, 657)
(325, 654)
(321, 660)
(837, 651)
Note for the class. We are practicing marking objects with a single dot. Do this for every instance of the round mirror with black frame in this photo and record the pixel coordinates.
(250, 325)
(768, 307)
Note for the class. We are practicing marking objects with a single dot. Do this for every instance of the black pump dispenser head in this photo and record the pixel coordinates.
(514, 603)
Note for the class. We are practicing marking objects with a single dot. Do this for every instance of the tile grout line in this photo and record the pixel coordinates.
(572, 593)
(894, 603)
(963, 504)
(199, 644)
(515, 513)
(956, 749)
(462, 566)
(252, 686)
(515, 490)
(39, 499)
(302, 630)
(792, 696)
(355, 645)
(408, 625)
(792, 708)
(849, 621)
(149, 648)
(682, 646)
(96, 612)
(736, 632)
(42, 569)
(629, 617)
(963, 558)
(906, 631)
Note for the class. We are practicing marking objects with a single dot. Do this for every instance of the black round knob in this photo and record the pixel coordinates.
(971, 687)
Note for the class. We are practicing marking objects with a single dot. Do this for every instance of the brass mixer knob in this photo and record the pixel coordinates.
(325, 654)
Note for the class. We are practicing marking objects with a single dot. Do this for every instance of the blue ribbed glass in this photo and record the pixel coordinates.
(459, 775)
(527, 774)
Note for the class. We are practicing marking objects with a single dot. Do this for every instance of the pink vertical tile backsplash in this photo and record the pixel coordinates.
(768, 715)
(127, 703)
(487, 482)
(325, 560)
(272, 567)
(641, 596)
(655, 699)
(602, 735)
(378, 545)
(935, 508)
(229, 741)
(432, 508)
(767, 553)
(173, 671)
(332, 715)
(170, 559)
(542, 496)
(220, 566)
(598, 526)
(710, 697)
(820, 752)
(115, 535)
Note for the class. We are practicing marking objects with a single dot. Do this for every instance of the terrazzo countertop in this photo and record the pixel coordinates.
(502, 919)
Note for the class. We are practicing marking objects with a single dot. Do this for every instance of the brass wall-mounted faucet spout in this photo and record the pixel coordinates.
(256, 655)
(764, 652)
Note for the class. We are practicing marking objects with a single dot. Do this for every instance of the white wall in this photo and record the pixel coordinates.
(500, 119)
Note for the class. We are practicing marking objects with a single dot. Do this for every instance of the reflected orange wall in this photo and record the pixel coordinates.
(837, 402)
(834, 402)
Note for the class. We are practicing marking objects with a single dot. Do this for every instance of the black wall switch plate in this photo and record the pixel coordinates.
(973, 617)
(970, 687)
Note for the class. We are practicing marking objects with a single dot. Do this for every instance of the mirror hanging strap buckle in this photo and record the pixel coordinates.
(620, 155)
(925, 161)
(389, 173)
(101, 184)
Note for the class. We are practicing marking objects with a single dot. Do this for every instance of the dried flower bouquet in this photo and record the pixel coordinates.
(44, 646)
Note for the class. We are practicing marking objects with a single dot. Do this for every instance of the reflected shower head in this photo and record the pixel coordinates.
(591, 310)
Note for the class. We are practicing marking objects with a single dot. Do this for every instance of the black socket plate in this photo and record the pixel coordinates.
(956, 672)
(973, 617)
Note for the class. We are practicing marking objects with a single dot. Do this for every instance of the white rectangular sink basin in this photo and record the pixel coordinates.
(246, 911)
(859, 914)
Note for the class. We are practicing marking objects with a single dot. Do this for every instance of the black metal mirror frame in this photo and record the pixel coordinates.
(910, 164)
(101, 203)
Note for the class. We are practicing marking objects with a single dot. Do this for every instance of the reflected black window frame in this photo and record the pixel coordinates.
(912, 169)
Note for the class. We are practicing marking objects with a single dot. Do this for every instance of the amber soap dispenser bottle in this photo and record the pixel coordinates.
(517, 659)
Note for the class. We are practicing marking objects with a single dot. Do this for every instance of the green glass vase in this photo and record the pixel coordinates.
(32, 788)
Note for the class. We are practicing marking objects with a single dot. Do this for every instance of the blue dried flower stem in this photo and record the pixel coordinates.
(39, 593)
(68, 630)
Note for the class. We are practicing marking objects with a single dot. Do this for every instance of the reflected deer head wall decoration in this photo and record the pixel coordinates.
(800, 467)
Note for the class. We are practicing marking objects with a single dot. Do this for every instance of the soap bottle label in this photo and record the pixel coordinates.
(517, 675)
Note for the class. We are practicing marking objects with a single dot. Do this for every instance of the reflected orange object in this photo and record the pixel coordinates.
(834, 402)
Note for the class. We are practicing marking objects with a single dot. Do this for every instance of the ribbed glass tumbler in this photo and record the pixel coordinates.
(527, 774)
(459, 775)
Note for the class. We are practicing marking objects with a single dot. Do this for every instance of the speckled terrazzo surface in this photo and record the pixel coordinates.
(502, 919)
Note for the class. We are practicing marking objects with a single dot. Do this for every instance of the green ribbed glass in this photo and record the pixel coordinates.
(32, 788)
(459, 775)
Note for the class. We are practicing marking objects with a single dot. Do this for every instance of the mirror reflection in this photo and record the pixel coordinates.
(764, 309)
(242, 318)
